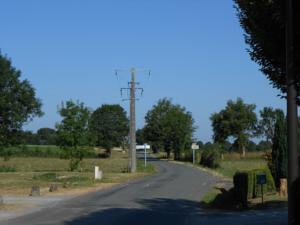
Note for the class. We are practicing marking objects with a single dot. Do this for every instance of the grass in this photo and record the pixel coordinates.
(222, 199)
(39, 171)
(230, 166)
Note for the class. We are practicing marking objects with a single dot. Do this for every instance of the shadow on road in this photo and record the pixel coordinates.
(155, 211)
(175, 212)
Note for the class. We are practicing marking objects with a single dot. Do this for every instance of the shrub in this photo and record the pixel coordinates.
(211, 156)
(7, 169)
(242, 188)
(46, 177)
(245, 184)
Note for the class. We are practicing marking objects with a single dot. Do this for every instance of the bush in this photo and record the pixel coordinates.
(7, 169)
(242, 188)
(211, 156)
(245, 184)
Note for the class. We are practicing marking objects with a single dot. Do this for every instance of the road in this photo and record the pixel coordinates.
(169, 197)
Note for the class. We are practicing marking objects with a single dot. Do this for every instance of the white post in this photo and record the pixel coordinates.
(98, 173)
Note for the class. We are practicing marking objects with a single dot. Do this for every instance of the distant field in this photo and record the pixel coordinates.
(230, 167)
(30, 171)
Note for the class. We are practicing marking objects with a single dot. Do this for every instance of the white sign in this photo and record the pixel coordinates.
(142, 147)
(195, 146)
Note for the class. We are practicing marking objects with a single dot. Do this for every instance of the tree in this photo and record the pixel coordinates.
(266, 126)
(169, 126)
(110, 126)
(264, 24)
(73, 133)
(18, 103)
(140, 139)
(237, 120)
(279, 150)
(46, 136)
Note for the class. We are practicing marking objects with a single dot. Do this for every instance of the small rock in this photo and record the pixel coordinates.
(66, 185)
(53, 188)
(35, 191)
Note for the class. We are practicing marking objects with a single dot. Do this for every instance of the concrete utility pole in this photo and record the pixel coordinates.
(132, 123)
(132, 135)
(292, 113)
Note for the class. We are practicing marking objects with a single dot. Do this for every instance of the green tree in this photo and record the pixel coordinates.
(279, 150)
(46, 136)
(266, 125)
(73, 133)
(140, 139)
(264, 24)
(169, 127)
(238, 120)
(110, 126)
(18, 103)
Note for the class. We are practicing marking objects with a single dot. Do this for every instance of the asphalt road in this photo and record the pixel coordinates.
(169, 197)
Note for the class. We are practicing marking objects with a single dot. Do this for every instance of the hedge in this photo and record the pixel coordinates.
(246, 187)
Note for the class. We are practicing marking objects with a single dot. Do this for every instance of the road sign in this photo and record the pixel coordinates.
(142, 147)
(261, 179)
(195, 146)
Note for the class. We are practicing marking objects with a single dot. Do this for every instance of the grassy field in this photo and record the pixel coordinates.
(31, 171)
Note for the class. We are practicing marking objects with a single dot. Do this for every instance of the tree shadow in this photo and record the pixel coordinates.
(146, 212)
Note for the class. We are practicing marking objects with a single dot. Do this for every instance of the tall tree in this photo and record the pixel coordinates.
(110, 126)
(169, 127)
(73, 132)
(264, 24)
(18, 103)
(237, 120)
(279, 149)
(266, 125)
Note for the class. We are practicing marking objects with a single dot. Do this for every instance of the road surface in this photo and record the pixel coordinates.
(171, 196)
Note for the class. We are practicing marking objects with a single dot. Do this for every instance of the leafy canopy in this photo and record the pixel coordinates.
(266, 126)
(237, 120)
(18, 103)
(72, 131)
(169, 126)
(110, 126)
(264, 24)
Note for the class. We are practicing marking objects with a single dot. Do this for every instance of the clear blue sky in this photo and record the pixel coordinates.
(69, 49)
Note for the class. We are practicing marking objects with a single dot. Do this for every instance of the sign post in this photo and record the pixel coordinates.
(194, 148)
(261, 180)
(144, 147)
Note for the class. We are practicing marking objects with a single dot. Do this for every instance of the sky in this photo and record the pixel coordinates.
(69, 49)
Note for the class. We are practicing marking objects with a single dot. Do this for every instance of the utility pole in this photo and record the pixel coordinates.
(132, 123)
(292, 113)
(132, 133)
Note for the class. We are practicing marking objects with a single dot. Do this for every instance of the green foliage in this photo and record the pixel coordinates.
(266, 126)
(264, 24)
(279, 166)
(109, 126)
(211, 156)
(7, 169)
(169, 127)
(269, 187)
(46, 177)
(237, 120)
(18, 103)
(73, 133)
(242, 188)
(246, 187)
(46, 136)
